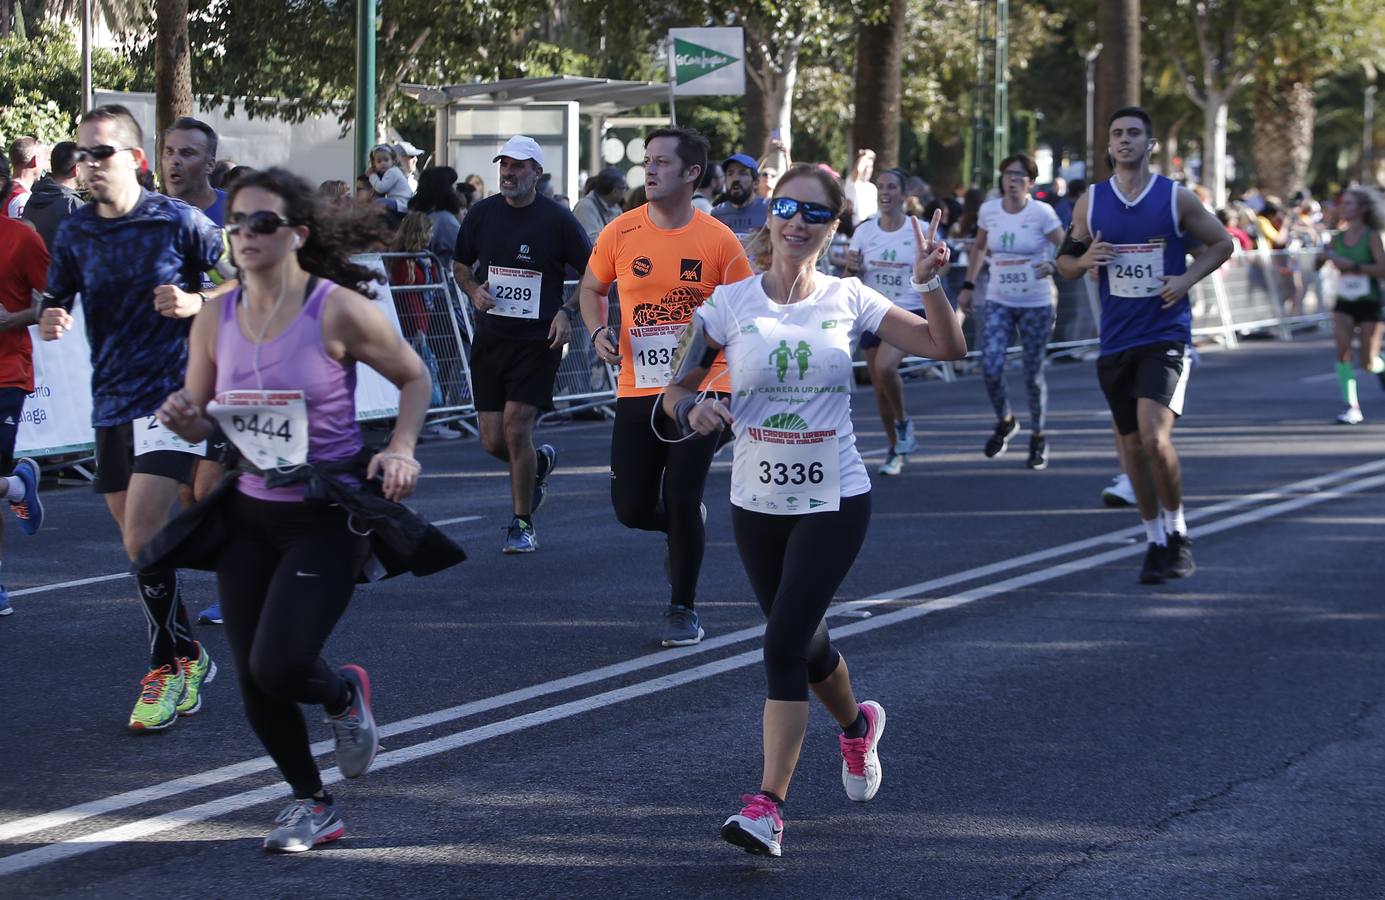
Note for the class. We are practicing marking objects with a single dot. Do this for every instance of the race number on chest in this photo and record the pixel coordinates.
(1012, 277)
(1137, 271)
(151, 436)
(270, 428)
(515, 291)
(792, 472)
(1353, 286)
(652, 347)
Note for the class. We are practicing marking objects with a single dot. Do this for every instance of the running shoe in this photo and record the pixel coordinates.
(198, 673)
(547, 461)
(437, 432)
(893, 464)
(999, 440)
(1179, 563)
(758, 828)
(358, 740)
(1119, 492)
(304, 824)
(28, 511)
(861, 771)
(1153, 570)
(682, 628)
(906, 441)
(1038, 452)
(1351, 416)
(157, 707)
(520, 537)
(211, 615)
(5, 608)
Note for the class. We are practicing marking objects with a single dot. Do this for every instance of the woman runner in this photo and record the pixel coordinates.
(1359, 257)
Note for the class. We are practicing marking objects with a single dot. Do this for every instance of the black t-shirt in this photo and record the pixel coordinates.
(513, 250)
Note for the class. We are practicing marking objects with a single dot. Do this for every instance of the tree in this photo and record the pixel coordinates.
(879, 57)
(1118, 75)
(172, 64)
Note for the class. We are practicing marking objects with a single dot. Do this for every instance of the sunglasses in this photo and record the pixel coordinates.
(99, 153)
(813, 213)
(259, 222)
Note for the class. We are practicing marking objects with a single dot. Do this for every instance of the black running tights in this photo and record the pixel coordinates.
(285, 579)
(795, 565)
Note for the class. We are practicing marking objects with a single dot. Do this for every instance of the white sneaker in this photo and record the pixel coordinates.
(906, 441)
(861, 772)
(1351, 416)
(893, 465)
(1119, 492)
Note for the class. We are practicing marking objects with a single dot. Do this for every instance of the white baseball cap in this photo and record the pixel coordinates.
(404, 148)
(521, 147)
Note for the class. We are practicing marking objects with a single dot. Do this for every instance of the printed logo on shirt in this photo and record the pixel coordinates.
(782, 355)
(628, 230)
(642, 266)
(1007, 240)
(676, 307)
(524, 253)
(829, 323)
(888, 255)
(690, 270)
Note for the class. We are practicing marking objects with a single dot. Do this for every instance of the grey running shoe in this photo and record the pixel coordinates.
(906, 441)
(358, 740)
(304, 824)
(893, 464)
(547, 458)
(681, 627)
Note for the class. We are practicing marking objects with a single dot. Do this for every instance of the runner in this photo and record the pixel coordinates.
(279, 356)
(743, 210)
(126, 253)
(523, 245)
(882, 249)
(1132, 230)
(1359, 257)
(1019, 295)
(665, 257)
(28, 160)
(800, 495)
(23, 272)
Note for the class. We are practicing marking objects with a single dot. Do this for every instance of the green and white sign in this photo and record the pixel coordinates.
(707, 60)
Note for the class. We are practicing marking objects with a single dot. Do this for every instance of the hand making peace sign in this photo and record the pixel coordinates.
(931, 256)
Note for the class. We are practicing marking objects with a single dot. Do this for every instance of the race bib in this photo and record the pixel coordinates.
(889, 281)
(792, 472)
(652, 347)
(515, 291)
(152, 436)
(269, 428)
(1137, 270)
(1353, 286)
(1012, 277)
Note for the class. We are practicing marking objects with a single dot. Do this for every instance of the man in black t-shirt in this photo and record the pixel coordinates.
(521, 246)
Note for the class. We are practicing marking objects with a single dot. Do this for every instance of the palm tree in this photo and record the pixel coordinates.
(1117, 68)
(879, 56)
(172, 63)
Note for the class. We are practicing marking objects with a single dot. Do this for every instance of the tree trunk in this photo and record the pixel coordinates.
(172, 65)
(1282, 138)
(944, 170)
(1117, 70)
(879, 56)
(757, 124)
(1214, 115)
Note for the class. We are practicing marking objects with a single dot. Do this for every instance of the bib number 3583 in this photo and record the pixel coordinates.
(792, 472)
(270, 428)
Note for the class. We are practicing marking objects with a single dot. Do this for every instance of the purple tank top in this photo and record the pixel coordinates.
(295, 361)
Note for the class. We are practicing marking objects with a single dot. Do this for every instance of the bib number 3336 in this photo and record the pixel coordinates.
(269, 427)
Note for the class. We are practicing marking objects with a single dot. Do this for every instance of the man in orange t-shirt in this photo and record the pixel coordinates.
(666, 257)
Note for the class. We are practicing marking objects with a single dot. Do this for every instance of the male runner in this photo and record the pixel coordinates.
(126, 253)
(743, 210)
(666, 258)
(56, 196)
(522, 245)
(27, 162)
(1133, 229)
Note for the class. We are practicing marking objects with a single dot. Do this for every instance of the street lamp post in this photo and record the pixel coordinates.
(1368, 137)
(365, 81)
(1091, 56)
(87, 101)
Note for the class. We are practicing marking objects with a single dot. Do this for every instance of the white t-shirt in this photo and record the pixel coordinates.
(889, 261)
(1015, 243)
(864, 199)
(790, 369)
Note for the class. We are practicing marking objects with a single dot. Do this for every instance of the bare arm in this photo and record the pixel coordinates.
(479, 294)
(939, 335)
(978, 255)
(1095, 252)
(1204, 226)
(185, 411)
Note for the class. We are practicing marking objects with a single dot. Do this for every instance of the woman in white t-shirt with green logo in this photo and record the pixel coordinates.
(800, 494)
(1014, 235)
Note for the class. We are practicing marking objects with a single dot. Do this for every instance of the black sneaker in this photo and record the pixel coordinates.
(1154, 569)
(1000, 439)
(1180, 557)
(1038, 452)
(547, 461)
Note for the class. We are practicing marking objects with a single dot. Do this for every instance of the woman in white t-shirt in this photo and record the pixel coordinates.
(800, 494)
(1014, 235)
(882, 255)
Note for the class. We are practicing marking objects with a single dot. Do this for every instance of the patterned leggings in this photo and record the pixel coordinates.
(1035, 324)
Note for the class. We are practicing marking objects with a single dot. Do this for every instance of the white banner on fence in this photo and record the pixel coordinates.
(57, 415)
(376, 396)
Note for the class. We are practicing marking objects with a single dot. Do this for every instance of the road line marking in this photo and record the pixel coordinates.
(141, 829)
(456, 521)
(103, 806)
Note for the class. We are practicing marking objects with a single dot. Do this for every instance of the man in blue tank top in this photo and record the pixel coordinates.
(1134, 230)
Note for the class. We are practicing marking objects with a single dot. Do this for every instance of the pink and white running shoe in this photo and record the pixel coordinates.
(861, 772)
(758, 828)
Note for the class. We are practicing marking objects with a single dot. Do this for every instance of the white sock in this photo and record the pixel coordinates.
(14, 489)
(1174, 522)
(1154, 531)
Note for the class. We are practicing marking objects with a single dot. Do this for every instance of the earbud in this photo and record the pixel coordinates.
(297, 242)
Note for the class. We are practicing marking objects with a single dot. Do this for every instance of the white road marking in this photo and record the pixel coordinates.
(456, 521)
(1310, 492)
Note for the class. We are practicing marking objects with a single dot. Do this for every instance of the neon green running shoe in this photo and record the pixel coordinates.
(157, 707)
(199, 673)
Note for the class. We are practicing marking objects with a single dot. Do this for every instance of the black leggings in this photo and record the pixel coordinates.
(657, 486)
(796, 564)
(285, 579)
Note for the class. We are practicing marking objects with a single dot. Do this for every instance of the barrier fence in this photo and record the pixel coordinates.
(1254, 292)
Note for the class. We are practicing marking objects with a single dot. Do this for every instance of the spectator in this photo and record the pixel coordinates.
(388, 181)
(55, 197)
(364, 192)
(437, 197)
(335, 194)
(860, 187)
(741, 210)
(407, 155)
(635, 197)
(26, 165)
(1064, 207)
(222, 168)
(708, 188)
(477, 182)
(1228, 219)
(971, 210)
(237, 172)
(602, 202)
(1269, 222)
(544, 186)
(467, 191)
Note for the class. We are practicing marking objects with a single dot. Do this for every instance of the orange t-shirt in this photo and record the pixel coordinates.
(662, 276)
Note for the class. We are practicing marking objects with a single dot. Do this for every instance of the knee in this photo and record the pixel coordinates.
(1155, 443)
(631, 512)
(134, 545)
(494, 444)
(518, 440)
(822, 665)
(787, 671)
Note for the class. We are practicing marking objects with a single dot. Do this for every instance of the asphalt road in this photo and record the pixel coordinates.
(1055, 729)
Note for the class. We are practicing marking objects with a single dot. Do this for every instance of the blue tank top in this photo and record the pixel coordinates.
(1149, 237)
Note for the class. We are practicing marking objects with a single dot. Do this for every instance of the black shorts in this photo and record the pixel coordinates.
(870, 340)
(116, 460)
(1359, 310)
(503, 370)
(1157, 372)
(11, 411)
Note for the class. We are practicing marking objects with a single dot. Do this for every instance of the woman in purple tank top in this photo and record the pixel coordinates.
(275, 364)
